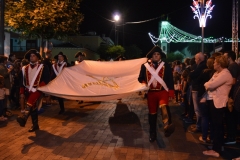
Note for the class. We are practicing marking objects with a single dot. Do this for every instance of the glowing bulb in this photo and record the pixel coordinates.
(116, 17)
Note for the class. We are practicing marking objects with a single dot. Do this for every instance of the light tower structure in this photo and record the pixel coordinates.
(235, 27)
(202, 12)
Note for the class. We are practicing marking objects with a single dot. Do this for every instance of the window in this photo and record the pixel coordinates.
(31, 44)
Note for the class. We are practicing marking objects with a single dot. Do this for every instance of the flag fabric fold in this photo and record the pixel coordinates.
(97, 81)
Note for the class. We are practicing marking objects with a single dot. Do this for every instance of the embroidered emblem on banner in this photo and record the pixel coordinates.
(105, 81)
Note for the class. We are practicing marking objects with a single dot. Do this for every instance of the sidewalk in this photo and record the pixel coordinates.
(100, 130)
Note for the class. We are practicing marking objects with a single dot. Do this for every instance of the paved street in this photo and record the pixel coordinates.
(100, 130)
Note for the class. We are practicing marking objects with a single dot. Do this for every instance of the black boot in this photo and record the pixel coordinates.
(23, 118)
(34, 116)
(61, 104)
(152, 119)
(169, 127)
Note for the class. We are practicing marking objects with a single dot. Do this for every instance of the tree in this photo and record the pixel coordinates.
(43, 19)
(107, 52)
(114, 51)
(102, 51)
(172, 57)
(133, 52)
(194, 48)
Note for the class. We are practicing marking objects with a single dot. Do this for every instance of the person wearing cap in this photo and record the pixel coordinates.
(34, 75)
(157, 74)
(56, 70)
(80, 57)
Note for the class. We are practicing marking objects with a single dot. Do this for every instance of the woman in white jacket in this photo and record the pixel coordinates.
(218, 88)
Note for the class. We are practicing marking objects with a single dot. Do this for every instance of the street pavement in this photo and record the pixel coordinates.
(115, 130)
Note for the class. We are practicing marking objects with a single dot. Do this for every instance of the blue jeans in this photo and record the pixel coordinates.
(205, 118)
(196, 108)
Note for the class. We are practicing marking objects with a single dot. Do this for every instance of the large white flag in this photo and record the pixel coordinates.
(97, 81)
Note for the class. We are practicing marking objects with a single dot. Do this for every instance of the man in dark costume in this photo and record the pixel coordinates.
(80, 57)
(34, 75)
(47, 61)
(157, 74)
(56, 70)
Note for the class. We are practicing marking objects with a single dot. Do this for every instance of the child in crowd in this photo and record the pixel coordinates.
(2, 97)
(176, 80)
(184, 89)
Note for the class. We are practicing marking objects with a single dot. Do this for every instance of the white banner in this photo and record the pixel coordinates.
(97, 80)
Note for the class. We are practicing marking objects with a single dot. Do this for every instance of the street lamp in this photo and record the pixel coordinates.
(116, 19)
(202, 15)
(2, 5)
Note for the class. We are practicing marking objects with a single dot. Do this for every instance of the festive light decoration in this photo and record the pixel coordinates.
(169, 34)
(202, 17)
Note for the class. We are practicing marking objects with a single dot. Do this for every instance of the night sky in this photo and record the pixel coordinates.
(98, 14)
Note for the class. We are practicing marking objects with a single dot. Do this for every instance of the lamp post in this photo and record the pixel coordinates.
(116, 19)
(202, 15)
(2, 4)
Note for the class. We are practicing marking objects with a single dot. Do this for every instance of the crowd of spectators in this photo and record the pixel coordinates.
(209, 93)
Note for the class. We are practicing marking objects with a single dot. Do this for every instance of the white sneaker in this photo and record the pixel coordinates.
(211, 153)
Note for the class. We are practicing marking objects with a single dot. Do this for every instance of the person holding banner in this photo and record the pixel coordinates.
(158, 76)
(34, 75)
(80, 57)
(56, 70)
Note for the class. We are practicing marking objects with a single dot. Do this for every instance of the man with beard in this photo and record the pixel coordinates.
(34, 75)
(158, 76)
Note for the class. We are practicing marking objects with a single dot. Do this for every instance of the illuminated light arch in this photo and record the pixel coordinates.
(171, 34)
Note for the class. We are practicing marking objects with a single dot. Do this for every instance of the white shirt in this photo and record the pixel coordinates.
(31, 73)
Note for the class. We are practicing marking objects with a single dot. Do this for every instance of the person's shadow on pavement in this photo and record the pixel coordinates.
(126, 125)
(45, 139)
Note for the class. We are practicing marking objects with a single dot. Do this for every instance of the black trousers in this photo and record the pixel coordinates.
(186, 104)
(61, 103)
(231, 123)
(177, 94)
(14, 95)
(216, 118)
(191, 107)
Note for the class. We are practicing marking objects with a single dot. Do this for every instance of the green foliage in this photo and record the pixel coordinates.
(43, 18)
(107, 52)
(194, 48)
(102, 51)
(133, 52)
(172, 57)
(114, 51)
